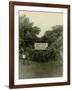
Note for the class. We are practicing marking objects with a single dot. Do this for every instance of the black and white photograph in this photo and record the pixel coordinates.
(40, 44)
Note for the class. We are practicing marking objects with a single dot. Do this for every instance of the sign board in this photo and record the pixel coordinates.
(40, 46)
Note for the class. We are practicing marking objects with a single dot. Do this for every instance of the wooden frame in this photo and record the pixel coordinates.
(11, 44)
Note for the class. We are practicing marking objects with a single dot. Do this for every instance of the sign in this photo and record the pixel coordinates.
(40, 46)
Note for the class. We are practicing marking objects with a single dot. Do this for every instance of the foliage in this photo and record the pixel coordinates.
(28, 35)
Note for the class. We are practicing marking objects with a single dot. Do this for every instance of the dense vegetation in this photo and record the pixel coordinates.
(28, 36)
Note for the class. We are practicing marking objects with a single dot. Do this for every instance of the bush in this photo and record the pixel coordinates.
(44, 56)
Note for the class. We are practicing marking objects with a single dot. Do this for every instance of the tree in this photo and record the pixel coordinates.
(27, 33)
(55, 42)
(52, 35)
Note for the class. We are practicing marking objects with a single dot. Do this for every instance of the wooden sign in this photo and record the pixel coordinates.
(40, 46)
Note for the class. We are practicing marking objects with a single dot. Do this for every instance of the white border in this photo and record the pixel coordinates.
(16, 46)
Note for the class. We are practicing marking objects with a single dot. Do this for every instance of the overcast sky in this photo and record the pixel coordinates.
(44, 20)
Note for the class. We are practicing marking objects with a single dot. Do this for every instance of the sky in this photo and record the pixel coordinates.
(44, 20)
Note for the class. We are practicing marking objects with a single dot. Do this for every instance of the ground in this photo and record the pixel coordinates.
(40, 69)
